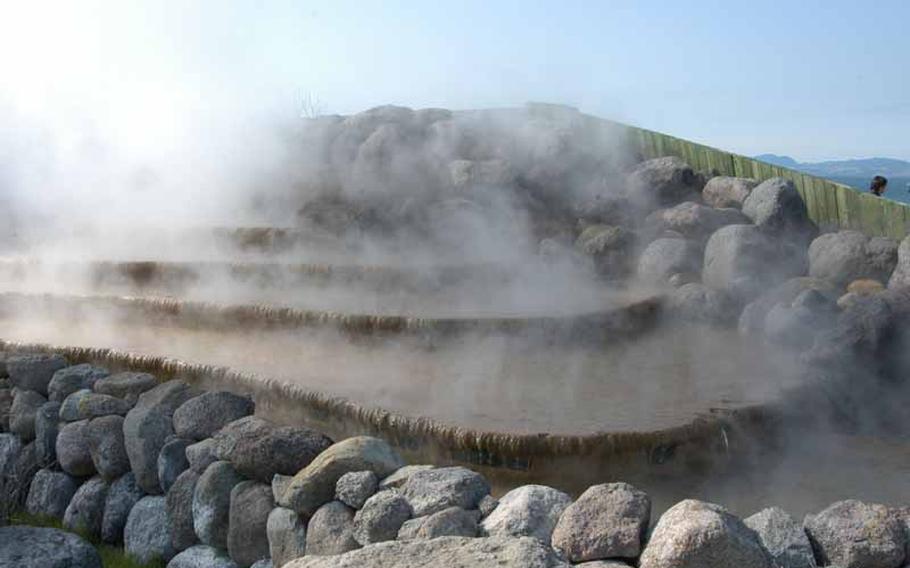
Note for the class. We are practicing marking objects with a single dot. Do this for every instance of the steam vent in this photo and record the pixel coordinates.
(605, 329)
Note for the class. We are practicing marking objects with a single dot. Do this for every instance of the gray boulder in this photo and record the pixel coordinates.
(609, 248)
(86, 509)
(201, 556)
(797, 324)
(776, 205)
(693, 220)
(783, 537)
(73, 450)
(50, 493)
(331, 530)
(398, 478)
(287, 535)
(453, 521)
(122, 496)
(437, 489)
(23, 413)
(665, 257)
(212, 503)
(46, 430)
(145, 536)
(723, 191)
(857, 535)
(381, 517)
(355, 487)
(201, 454)
(68, 380)
(314, 485)
(247, 539)
(529, 510)
(6, 406)
(699, 303)
(487, 505)
(107, 447)
(24, 469)
(172, 462)
(33, 371)
(447, 551)
(280, 483)
(200, 417)
(259, 449)
(694, 534)
(33, 547)
(752, 319)
(10, 448)
(179, 503)
(900, 277)
(607, 521)
(846, 256)
(745, 261)
(661, 182)
(127, 385)
(85, 404)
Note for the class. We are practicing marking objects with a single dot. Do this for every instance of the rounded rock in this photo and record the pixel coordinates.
(331, 530)
(172, 462)
(107, 447)
(86, 509)
(46, 430)
(179, 503)
(355, 487)
(23, 413)
(437, 489)
(201, 417)
(247, 539)
(122, 496)
(127, 385)
(855, 534)
(201, 556)
(381, 517)
(783, 537)
(85, 404)
(33, 547)
(50, 493)
(212, 503)
(529, 510)
(34, 371)
(145, 536)
(73, 450)
(287, 535)
(68, 380)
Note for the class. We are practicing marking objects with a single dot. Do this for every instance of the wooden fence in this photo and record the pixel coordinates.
(831, 205)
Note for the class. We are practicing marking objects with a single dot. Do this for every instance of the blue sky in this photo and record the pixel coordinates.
(813, 79)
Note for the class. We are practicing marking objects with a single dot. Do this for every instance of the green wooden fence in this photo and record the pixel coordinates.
(830, 204)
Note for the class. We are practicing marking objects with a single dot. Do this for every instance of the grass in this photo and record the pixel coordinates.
(111, 556)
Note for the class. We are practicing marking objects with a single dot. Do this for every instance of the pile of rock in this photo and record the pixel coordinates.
(197, 480)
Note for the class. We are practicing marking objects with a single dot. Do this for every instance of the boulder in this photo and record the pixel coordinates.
(745, 261)
(50, 493)
(122, 496)
(146, 535)
(314, 485)
(693, 220)
(440, 488)
(23, 413)
(776, 205)
(34, 371)
(68, 380)
(127, 385)
(665, 257)
(850, 255)
(381, 517)
(179, 504)
(147, 428)
(280, 483)
(287, 535)
(453, 521)
(212, 503)
(172, 462)
(797, 325)
(201, 556)
(355, 487)
(723, 191)
(609, 248)
(783, 537)
(699, 303)
(6, 406)
(23, 469)
(900, 277)
(86, 509)
(447, 551)
(857, 535)
(201, 417)
(85, 404)
(247, 539)
(33, 547)
(10, 448)
(73, 450)
(398, 478)
(46, 430)
(529, 510)
(259, 449)
(694, 534)
(201, 454)
(753, 317)
(107, 447)
(661, 182)
(607, 521)
(331, 530)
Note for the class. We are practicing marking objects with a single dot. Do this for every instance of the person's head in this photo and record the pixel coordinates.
(878, 185)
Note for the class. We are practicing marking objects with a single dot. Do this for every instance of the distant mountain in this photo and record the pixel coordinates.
(862, 168)
(855, 173)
